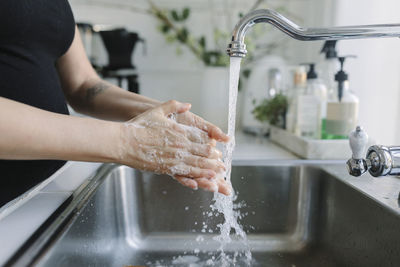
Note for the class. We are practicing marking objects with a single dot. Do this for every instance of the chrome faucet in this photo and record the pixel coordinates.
(379, 160)
(237, 47)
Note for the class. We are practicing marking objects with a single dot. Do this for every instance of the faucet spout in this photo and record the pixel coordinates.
(237, 47)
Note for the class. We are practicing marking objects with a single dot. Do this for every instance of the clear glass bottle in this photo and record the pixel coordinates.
(311, 107)
(299, 83)
(329, 66)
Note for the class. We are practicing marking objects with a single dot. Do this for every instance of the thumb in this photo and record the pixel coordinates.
(174, 106)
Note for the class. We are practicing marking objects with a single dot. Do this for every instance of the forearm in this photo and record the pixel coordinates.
(103, 100)
(31, 133)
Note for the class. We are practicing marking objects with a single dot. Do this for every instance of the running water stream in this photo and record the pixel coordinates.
(225, 204)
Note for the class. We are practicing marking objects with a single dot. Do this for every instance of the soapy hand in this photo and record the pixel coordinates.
(170, 140)
(193, 120)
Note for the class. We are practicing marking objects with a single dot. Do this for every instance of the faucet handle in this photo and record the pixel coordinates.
(357, 165)
(358, 140)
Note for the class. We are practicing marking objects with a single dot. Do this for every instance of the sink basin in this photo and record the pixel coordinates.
(295, 215)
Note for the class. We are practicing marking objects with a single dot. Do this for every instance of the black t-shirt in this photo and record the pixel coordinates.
(33, 35)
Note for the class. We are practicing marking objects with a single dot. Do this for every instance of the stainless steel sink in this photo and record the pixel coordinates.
(297, 215)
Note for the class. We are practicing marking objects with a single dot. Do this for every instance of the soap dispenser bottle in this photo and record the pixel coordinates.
(311, 106)
(342, 107)
(329, 65)
(299, 84)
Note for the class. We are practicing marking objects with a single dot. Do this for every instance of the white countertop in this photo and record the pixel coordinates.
(21, 218)
(249, 147)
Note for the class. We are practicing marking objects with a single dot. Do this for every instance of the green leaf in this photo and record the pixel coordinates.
(185, 13)
(165, 28)
(159, 15)
(202, 42)
(175, 15)
(246, 73)
(222, 60)
(212, 58)
(185, 32)
(182, 35)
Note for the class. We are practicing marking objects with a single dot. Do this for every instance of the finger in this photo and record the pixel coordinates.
(206, 184)
(213, 143)
(172, 156)
(216, 133)
(190, 171)
(207, 151)
(174, 106)
(212, 130)
(187, 182)
(223, 187)
(204, 163)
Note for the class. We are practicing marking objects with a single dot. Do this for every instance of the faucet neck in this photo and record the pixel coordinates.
(237, 48)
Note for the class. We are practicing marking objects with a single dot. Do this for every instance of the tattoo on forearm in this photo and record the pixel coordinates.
(93, 91)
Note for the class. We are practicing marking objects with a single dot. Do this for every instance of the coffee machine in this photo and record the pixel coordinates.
(120, 45)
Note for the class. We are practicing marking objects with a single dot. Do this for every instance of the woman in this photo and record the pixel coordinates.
(42, 64)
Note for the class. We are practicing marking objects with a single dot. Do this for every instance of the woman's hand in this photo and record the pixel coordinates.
(155, 141)
(193, 120)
